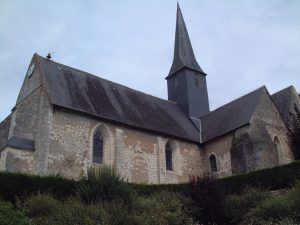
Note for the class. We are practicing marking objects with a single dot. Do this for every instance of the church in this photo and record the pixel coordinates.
(66, 120)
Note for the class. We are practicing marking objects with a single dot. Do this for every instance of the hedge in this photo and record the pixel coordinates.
(272, 179)
(275, 178)
(14, 185)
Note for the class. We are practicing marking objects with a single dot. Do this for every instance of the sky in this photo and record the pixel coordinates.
(241, 45)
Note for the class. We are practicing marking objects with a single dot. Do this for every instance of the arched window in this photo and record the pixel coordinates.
(169, 156)
(98, 147)
(213, 164)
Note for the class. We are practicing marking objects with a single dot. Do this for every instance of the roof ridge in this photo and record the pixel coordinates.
(223, 106)
(97, 77)
(284, 89)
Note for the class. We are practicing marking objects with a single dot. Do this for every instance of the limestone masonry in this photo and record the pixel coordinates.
(66, 120)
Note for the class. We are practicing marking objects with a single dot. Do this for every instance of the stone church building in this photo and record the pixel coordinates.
(66, 120)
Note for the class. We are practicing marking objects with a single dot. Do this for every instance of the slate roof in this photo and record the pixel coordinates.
(284, 101)
(183, 52)
(83, 92)
(21, 143)
(231, 116)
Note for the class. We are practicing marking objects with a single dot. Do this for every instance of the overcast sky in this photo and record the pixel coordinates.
(241, 45)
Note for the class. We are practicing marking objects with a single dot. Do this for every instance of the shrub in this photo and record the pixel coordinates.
(9, 216)
(104, 184)
(15, 185)
(75, 212)
(284, 221)
(273, 178)
(275, 207)
(294, 199)
(238, 206)
(161, 208)
(41, 205)
(294, 132)
(149, 189)
(208, 200)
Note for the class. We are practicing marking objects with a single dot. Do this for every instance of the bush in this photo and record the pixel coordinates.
(284, 221)
(294, 132)
(9, 216)
(208, 200)
(238, 206)
(273, 179)
(41, 205)
(294, 197)
(161, 208)
(104, 184)
(278, 208)
(15, 185)
(73, 211)
(149, 189)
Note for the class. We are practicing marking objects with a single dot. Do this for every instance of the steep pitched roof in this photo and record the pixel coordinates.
(183, 52)
(83, 92)
(231, 116)
(284, 101)
(21, 143)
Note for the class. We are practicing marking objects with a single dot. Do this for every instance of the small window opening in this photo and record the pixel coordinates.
(213, 164)
(169, 163)
(98, 148)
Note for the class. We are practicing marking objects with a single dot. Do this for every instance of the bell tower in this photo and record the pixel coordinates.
(186, 80)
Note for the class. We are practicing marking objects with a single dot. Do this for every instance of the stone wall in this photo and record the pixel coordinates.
(30, 83)
(267, 124)
(31, 119)
(254, 147)
(138, 155)
(4, 131)
(219, 147)
(16, 160)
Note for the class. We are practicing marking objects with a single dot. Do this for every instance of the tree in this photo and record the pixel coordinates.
(294, 132)
(208, 200)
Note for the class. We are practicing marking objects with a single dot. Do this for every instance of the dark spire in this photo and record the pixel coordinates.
(183, 51)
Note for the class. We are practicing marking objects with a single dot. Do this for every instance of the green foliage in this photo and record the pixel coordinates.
(161, 208)
(104, 184)
(294, 132)
(277, 208)
(273, 178)
(284, 221)
(149, 189)
(14, 185)
(41, 205)
(9, 216)
(294, 200)
(73, 211)
(238, 206)
(208, 200)
(104, 197)
(273, 208)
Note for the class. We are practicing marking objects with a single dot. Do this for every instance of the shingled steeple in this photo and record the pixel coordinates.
(186, 79)
(183, 51)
